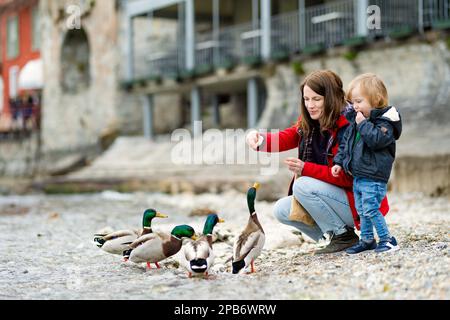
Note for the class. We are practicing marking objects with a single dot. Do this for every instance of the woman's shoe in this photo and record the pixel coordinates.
(340, 242)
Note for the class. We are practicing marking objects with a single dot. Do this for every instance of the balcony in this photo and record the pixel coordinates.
(309, 31)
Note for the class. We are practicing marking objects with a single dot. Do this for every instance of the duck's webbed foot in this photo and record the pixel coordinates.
(252, 267)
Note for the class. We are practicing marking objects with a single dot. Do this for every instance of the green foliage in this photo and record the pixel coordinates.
(187, 74)
(226, 64)
(351, 55)
(314, 48)
(442, 24)
(298, 68)
(280, 55)
(155, 78)
(203, 69)
(126, 85)
(357, 41)
(401, 32)
(252, 61)
(67, 188)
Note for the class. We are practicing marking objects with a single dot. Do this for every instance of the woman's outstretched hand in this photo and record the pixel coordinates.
(336, 170)
(295, 165)
(254, 139)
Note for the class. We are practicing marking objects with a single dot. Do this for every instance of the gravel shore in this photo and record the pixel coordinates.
(48, 253)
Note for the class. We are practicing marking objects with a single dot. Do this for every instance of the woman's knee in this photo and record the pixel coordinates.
(281, 209)
(304, 187)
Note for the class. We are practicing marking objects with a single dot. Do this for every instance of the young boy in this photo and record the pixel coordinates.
(367, 152)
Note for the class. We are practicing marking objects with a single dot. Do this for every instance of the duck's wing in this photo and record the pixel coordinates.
(118, 234)
(141, 240)
(148, 248)
(118, 245)
(246, 243)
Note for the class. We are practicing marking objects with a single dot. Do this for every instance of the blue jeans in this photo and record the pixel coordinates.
(368, 196)
(326, 203)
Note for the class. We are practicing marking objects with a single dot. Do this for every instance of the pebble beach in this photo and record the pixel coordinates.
(48, 252)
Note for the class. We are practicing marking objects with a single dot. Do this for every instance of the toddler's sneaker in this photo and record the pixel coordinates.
(385, 246)
(362, 246)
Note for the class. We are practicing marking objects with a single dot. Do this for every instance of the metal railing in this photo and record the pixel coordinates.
(435, 11)
(285, 36)
(330, 24)
(230, 45)
(327, 25)
(396, 15)
(240, 41)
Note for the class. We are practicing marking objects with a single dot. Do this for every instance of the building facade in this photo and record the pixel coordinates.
(222, 50)
(20, 64)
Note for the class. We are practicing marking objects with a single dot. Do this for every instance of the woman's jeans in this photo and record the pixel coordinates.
(326, 203)
(368, 196)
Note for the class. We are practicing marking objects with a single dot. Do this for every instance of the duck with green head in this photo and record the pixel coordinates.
(155, 247)
(250, 242)
(198, 255)
(113, 242)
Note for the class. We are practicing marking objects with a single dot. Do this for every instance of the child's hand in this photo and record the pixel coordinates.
(360, 117)
(336, 170)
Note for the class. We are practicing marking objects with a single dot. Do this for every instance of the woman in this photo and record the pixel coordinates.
(328, 199)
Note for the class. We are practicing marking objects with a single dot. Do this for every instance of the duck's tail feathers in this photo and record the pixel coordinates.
(99, 241)
(238, 265)
(126, 253)
(199, 265)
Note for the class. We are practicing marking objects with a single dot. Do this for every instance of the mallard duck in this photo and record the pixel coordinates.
(113, 242)
(198, 255)
(250, 242)
(155, 247)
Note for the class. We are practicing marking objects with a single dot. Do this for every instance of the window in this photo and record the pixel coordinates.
(36, 37)
(12, 50)
(13, 81)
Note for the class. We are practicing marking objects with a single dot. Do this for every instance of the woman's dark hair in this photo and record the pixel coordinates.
(327, 84)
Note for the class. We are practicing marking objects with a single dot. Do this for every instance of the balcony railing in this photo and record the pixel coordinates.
(435, 11)
(326, 25)
(229, 46)
(330, 24)
(395, 16)
(285, 37)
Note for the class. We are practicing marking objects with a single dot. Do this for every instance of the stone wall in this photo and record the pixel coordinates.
(75, 119)
(18, 157)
